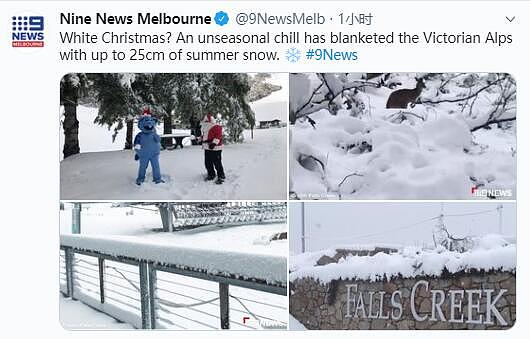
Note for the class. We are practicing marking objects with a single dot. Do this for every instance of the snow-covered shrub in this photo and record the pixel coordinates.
(460, 135)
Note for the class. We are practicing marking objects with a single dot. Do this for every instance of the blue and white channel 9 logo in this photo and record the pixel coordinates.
(27, 31)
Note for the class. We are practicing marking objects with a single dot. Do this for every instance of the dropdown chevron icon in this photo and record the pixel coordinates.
(510, 19)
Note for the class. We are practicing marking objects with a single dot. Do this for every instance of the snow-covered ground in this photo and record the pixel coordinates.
(432, 154)
(255, 169)
(228, 249)
(75, 315)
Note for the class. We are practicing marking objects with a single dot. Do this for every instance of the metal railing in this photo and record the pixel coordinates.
(135, 285)
(182, 216)
(189, 215)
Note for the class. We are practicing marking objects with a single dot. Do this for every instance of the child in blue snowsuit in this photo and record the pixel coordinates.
(147, 147)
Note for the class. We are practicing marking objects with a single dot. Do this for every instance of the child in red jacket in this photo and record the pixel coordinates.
(212, 143)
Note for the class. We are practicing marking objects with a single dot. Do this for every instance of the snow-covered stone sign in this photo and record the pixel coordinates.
(364, 287)
(474, 300)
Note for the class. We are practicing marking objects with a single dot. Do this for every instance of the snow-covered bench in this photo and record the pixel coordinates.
(176, 138)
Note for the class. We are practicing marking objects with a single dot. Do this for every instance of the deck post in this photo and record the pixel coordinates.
(69, 266)
(101, 267)
(260, 211)
(144, 295)
(76, 218)
(152, 295)
(167, 216)
(224, 306)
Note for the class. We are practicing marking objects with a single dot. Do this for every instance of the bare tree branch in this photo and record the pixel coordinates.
(349, 175)
(344, 179)
(407, 113)
(491, 122)
(464, 98)
(309, 101)
(321, 103)
(448, 80)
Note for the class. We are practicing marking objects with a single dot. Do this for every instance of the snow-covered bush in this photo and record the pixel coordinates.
(460, 135)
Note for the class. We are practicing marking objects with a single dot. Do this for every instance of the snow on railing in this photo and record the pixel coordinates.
(137, 286)
(244, 266)
(228, 213)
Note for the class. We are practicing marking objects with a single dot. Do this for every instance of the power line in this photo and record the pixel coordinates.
(471, 213)
(398, 228)
(389, 230)
(415, 224)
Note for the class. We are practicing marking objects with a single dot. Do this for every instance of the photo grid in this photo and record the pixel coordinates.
(287, 201)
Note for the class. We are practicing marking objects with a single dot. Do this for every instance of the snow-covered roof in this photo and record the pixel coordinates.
(213, 260)
(492, 252)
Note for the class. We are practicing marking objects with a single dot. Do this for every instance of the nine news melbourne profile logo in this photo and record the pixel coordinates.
(27, 31)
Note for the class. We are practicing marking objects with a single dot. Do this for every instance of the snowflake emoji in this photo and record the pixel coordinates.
(293, 54)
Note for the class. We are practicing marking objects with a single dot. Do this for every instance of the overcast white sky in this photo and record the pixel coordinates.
(332, 223)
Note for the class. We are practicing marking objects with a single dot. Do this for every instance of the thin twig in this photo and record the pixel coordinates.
(350, 175)
(465, 98)
(491, 122)
(409, 113)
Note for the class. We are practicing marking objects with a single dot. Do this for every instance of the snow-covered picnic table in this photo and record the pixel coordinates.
(177, 137)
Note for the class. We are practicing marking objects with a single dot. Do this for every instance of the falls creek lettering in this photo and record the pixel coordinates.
(463, 305)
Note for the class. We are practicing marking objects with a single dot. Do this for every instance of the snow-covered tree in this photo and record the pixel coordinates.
(483, 99)
(235, 87)
(443, 238)
(73, 86)
(260, 88)
(332, 91)
(175, 98)
(225, 95)
(161, 93)
(187, 97)
(194, 92)
(118, 102)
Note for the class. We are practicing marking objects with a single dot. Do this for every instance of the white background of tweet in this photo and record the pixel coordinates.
(30, 163)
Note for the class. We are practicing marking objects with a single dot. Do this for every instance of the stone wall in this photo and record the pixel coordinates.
(325, 306)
